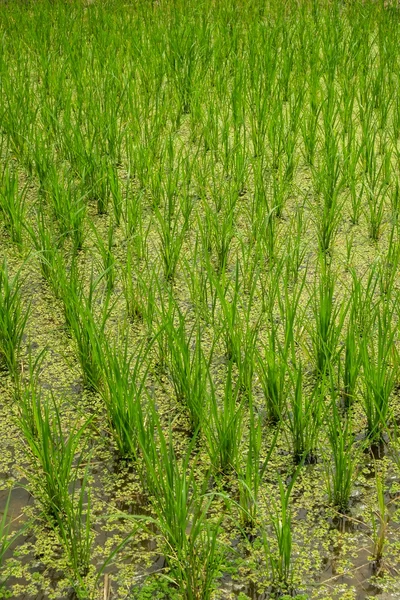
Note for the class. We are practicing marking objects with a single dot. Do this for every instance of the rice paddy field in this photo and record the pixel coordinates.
(199, 299)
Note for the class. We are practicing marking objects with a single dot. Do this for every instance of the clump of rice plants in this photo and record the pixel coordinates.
(13, 318)
(181, 506)
(13, 205)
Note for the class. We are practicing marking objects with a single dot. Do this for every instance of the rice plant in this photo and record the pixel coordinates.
(87, 333)
(329, 320)
(188, 369)
(380, 377)
(350, 364)
(76, 534)
(134, 287)
(181, 506)
(13, 318)
(13, 205)
(223, 427)
(48, 251)
(303, 418)
(272, 369)
(251, 473)
(55, 453)
(341, 466)
(123, 388)
(280, 559)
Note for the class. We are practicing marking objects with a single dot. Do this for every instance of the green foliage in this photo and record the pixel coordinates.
(208, 197)
(13, 318)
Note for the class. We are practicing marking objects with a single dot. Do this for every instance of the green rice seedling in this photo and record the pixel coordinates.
(132, 211)
(116, 194)
(327, 225)
(183, 60)
(77, 221)
(69, 209)
(57, 197)
(279, 353)
(356, 196)
(172, 234)
(276, 134)
(296, 105)
(380, 522)
(251, 474)
(188, 368)
(341, 467)
(309, 132)
(269, 235)
(68, 206)
(258, 111)
(351, 364)
(376, 196)
(387, 266)
(280, 561)
(27, 393)
(243, 331)
(13, 205)
(76, 534)
(221, 228)
(123, 388)
(376, 187)
(107, 256)
(364, 302)
(351, 367)
(329, 319)
(134, 287)
(272, 370)
(247, 359)
(45, 440)
(303, 418)
(292, 314)
(379, 360)
(13, 319)
(328, 183)
(188, 531)
(48, 448)
(349, 251)
(199, 284)
(356, 188)
(296, 249)
(257, 205)
(280, 190)
(230, 327)
(95, 180)
(48, 251)
(42, 161)
(224, 425)
(88, 335)
(158, 329)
